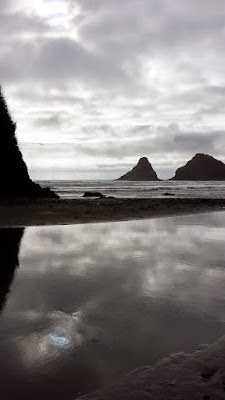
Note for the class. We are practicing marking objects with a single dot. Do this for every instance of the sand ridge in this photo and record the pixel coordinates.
(196, 376)
(26, 212)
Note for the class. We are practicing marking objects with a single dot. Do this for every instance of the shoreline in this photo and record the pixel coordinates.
(22, 212)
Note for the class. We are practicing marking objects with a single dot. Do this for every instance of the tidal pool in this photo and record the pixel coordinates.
(81, 305)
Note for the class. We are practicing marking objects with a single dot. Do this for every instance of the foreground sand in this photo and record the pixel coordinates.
(196, 376)
(25, 212)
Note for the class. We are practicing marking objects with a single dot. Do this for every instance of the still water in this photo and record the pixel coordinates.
(81, 305)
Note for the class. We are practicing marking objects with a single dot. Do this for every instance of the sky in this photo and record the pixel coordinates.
(96, 84)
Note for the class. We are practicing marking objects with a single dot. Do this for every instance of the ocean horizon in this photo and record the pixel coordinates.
(74, 189)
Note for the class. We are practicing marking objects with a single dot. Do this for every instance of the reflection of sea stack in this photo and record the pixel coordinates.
(201, 167)
(9, 242)
(15, 179)
(143, 171)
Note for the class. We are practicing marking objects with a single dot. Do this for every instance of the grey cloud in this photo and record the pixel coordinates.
(218, 90)
(188, 144)
(156, 25)
(204, 143)
(65, 58)
(140, 31)
(125, 35)
(211, 110)
(61, 59)
(14, 24)
(52, 121)
(5, 5)
(183, 146)
(16, 61)
(43, 99)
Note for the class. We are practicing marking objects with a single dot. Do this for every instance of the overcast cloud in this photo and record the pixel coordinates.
(95, 85)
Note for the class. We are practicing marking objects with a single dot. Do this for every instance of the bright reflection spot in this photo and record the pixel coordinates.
(59, 338)
(59, 341)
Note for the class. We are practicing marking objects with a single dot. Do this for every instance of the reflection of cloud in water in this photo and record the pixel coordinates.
(106, 298)
(118, 259)
(60, 333)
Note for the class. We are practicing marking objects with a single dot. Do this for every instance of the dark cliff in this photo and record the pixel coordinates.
(15, 180)
(143, 171)
(201, 167)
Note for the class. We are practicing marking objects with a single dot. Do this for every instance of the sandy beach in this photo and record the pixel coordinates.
(28, 212)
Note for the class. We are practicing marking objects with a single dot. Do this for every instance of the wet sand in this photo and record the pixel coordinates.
(198, 376)
(28, 212)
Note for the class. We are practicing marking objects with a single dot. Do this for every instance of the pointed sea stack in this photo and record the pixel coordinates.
(15, 180)
(143, 171)
(201, 167)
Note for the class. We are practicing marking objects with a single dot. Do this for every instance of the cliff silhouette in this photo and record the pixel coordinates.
(202, 167)
(15, 180)
(143, 171)
(10, 243)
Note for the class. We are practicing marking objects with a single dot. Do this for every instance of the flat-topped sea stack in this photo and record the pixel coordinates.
(15, 180)
(143, 171)
(201, 167)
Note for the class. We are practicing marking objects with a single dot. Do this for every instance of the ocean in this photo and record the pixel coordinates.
(125, 189)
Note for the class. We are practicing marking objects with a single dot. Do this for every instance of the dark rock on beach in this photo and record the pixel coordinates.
(143, 171)
(93, 194)
(201, 167)
(15, 180)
